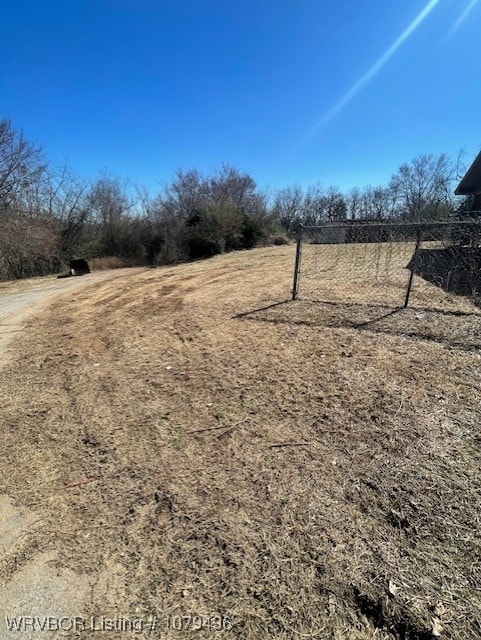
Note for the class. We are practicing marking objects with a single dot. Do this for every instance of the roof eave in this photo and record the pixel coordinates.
(473, 176)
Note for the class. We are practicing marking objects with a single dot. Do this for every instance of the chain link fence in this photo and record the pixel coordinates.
(432, 265)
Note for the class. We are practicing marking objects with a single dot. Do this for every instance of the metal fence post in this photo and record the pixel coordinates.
(413, 263)
(297, 267)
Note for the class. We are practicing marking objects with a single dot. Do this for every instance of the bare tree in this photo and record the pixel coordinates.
(22, 169)
(334, 207)
(313, 204)
(110, 205)
(187, 192)
(423, 188)
(287, 207)
(65, 202)
(353, 203)
(377, 203)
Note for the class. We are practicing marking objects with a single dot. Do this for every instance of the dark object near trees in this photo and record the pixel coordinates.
(78, 267)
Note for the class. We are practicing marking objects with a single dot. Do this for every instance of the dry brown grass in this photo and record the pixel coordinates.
(111, 262)
(168, 394)
(14, 286)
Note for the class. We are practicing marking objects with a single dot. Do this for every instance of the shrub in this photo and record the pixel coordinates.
(278, 241)
(112, 262)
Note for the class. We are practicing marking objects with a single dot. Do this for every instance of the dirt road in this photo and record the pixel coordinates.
(39, 587)
(21, 300)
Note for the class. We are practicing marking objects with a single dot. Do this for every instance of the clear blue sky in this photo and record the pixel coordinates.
(292, 91)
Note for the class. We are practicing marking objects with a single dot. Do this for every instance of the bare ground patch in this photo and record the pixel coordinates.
(307, 480)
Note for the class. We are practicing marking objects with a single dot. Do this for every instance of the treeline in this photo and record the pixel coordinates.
(49, 215)
(422, 190)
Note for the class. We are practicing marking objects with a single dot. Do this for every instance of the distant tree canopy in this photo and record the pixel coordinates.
(49, 215)
(210, 214)
(420, 190)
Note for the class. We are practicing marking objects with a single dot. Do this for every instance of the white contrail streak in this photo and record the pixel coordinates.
(376, 67)
(463, 17)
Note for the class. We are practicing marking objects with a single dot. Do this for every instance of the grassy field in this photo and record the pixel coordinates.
(309, 469)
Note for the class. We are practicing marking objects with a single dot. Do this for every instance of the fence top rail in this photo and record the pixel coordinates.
(392, 225)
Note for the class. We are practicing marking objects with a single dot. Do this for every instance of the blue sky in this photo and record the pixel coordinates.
(292, 91)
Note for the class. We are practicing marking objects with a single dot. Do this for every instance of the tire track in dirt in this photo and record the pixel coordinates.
(30, 582)
(19, 306)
